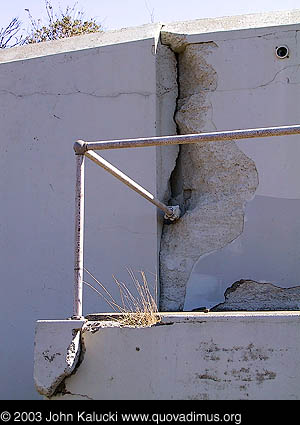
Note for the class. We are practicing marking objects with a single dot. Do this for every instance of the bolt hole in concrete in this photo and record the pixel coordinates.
(282, 52)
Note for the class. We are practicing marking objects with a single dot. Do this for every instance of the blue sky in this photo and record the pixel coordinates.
(116, 14)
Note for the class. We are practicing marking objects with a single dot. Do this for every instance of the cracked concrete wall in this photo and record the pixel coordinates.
(241, 198)
(123, 84)
(190, 356)
(212, 182)
(167, 93)
(97, 87)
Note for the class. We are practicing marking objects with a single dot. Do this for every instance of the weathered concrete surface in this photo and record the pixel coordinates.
(56, 352)
(167, 93)
(241, 84)
(88, 41)
(248, 295)
(179, 34)
(106, 86)
(199, 356)
(270, 224)
(94, 87)
(212, 181)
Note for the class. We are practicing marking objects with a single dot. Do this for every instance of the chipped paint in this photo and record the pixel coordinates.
(211, 356)
(211, 182)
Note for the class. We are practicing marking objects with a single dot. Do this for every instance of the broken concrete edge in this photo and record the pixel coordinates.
(57, 350)
(194, 112)
(250, 295)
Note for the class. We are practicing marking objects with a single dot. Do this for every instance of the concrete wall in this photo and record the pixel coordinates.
(241, 217)
(189, 356)
(241, 200)
(96, 87)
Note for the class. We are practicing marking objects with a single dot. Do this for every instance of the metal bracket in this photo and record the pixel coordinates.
(80, 147)
(174, 213)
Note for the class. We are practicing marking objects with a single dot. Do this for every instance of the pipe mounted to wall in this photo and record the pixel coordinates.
(172, 213)
(81, 146)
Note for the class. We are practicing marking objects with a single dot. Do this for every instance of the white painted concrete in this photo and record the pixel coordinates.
(92, 87)
(179, 34)
(89, 41)
(214, 356)
(118, 85)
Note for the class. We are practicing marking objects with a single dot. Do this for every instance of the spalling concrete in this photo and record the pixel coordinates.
(191, 356)
(241, 199)
(56, 352)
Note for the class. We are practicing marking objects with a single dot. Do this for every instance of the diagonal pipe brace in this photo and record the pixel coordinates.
(172, 213)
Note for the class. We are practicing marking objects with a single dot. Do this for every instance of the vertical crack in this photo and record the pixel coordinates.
(211, 182)
(176, 186)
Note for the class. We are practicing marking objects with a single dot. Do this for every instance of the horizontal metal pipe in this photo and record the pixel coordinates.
(128, 181)
(82, 146)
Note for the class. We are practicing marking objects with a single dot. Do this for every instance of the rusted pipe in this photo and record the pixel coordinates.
(79, 233)
(171, 213)
(81, 146)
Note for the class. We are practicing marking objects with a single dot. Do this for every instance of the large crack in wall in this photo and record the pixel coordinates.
(211, 181)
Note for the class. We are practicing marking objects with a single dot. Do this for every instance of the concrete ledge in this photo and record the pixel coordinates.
(179, 317)
(178, 35)
(250, 355)
(81, 42)
(191, 31)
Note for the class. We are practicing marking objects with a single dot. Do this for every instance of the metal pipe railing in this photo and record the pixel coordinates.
(217, 136)
(169, 211)
(83, 149)
(79, 231)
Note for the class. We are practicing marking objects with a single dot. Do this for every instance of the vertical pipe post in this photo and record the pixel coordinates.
(79, 231)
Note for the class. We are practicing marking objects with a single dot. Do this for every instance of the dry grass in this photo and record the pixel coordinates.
(138, 310)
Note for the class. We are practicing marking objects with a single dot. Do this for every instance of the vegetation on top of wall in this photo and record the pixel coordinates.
(9, 34)
(137, 309)
(60, 24)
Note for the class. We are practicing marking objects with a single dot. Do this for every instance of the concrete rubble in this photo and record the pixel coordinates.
(248, 295)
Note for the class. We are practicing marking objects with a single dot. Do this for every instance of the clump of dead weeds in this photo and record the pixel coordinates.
(138, 310)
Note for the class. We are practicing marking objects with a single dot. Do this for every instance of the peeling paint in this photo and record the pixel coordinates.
(211, 182)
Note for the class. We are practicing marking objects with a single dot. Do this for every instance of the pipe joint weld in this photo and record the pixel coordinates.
(80, 147)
